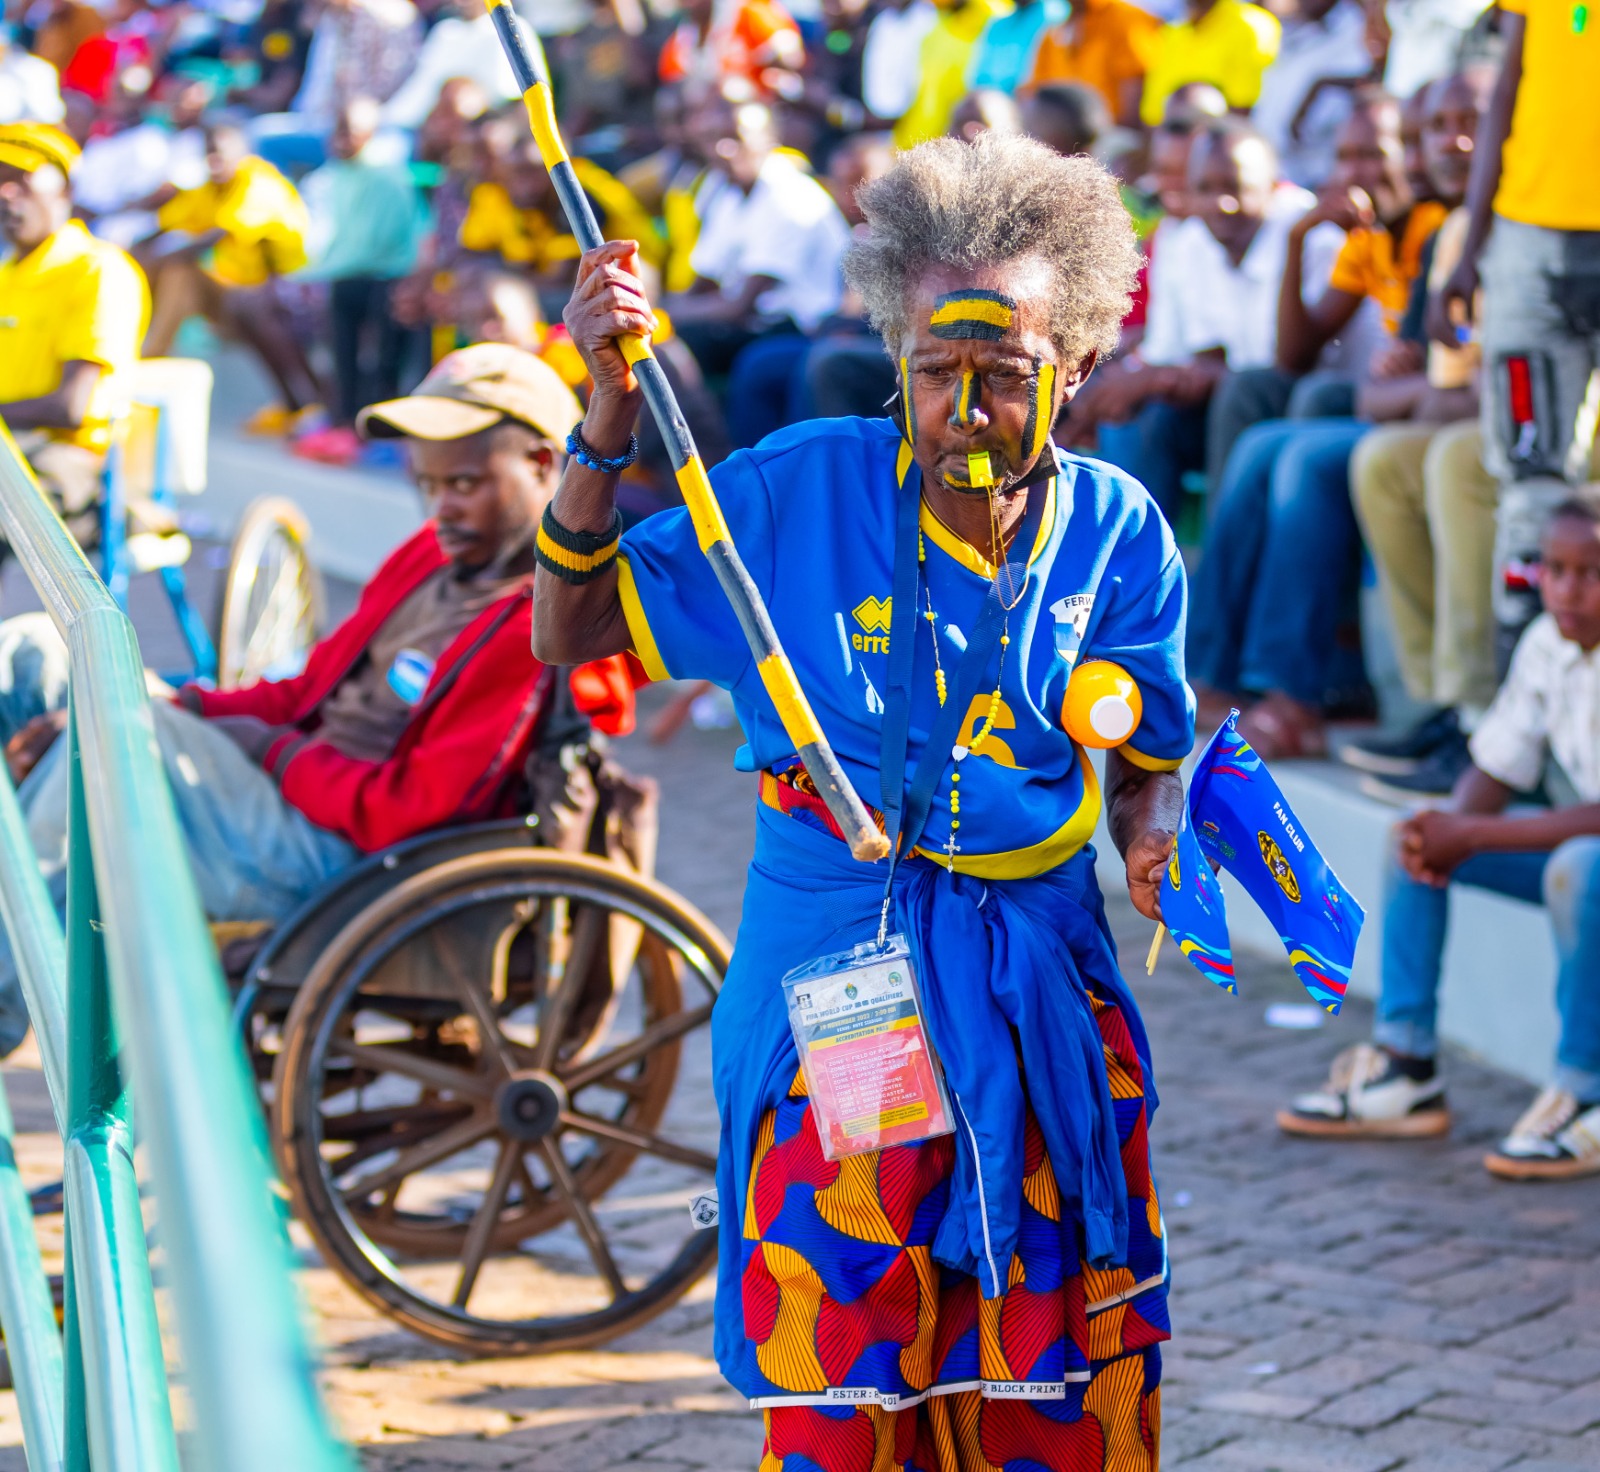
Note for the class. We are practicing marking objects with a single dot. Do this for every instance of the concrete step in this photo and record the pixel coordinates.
(1497, 998)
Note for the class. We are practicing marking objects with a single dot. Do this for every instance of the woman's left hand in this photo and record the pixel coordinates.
(1146, 859)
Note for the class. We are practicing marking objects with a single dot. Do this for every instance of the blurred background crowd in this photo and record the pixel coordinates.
(349, 188)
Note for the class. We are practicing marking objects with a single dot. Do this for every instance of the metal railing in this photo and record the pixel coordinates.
(131, 1015)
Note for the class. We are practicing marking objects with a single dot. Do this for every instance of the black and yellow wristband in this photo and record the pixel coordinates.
(576, 557)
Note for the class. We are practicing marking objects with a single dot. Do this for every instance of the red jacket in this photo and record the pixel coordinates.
(466, 739)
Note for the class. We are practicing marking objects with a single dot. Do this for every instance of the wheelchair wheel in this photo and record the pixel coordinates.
(271, 597)
(480, 1057)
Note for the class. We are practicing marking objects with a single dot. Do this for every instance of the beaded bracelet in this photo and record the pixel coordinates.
(576, 557)
(581, 451)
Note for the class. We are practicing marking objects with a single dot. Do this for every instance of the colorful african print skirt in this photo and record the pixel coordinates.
(880, 1359)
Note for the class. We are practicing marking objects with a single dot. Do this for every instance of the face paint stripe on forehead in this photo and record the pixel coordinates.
(972, 313)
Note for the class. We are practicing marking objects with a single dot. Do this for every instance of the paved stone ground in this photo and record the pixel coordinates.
(1337, 1309)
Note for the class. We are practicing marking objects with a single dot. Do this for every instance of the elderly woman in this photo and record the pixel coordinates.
(992, 1296)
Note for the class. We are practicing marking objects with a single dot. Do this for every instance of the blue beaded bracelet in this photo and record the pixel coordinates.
(584, 454)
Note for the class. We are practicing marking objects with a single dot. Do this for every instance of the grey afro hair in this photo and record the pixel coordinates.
(1002, 197)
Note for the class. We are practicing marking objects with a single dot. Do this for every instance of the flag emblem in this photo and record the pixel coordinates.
(1272, 857)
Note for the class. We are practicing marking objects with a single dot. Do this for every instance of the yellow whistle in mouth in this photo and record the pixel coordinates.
(978, 472)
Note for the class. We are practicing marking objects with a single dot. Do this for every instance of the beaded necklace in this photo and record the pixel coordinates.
(959, 752)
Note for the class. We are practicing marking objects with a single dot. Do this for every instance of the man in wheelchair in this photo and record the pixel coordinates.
(418, 711)
(72, 312)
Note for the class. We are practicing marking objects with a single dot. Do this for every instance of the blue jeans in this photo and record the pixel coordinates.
(1415, 915)
(1281, 559)
(1157, 447)
(254, 857)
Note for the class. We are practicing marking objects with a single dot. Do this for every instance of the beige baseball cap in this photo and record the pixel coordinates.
(473, 388)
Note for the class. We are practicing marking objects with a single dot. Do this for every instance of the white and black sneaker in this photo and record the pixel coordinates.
(1394, 754)
(1557, 1139)
(1369, 1096)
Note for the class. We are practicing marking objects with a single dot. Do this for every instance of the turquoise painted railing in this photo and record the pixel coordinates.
(131, 1016)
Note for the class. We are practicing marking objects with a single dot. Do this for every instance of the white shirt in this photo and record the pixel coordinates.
(30, 90)
(1200, 300)
(1425, 41)
(129, 165)
(891, 59)
(455, 47)
(1549, 706)
(1310, 50)
(787, 227)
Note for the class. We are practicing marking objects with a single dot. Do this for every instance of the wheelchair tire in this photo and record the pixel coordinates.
(271, 598)
(476, 1060)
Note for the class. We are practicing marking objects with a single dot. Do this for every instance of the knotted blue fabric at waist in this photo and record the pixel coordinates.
(1005, 968)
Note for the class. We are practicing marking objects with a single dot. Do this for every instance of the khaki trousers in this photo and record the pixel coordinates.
(1427, 509)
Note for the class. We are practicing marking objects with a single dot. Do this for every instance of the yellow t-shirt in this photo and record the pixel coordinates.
(946, 52)
(495, 226)
(1548, 167)
(1369, 265)
(73, 299)
(1229, 46)
(263, 216)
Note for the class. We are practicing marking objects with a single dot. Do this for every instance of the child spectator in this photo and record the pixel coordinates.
(1547, 712)
(366, 224)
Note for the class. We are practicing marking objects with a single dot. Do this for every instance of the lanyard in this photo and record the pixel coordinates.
(905, 812)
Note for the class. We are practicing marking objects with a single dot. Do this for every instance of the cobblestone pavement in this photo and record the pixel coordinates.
(1337, 1308)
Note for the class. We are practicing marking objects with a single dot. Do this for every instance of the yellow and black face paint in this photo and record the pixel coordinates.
(965, 413)
(1041, 409)
(972, 313)
(908, 408)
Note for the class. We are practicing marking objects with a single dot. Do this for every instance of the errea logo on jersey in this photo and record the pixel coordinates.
(873, 615)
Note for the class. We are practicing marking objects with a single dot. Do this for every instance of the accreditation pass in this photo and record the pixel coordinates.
(871, 1073)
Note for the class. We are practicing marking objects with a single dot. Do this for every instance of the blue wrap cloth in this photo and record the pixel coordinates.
(1004, 967)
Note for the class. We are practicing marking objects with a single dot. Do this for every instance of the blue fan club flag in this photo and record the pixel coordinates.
(1193, 908)
(1238, 815)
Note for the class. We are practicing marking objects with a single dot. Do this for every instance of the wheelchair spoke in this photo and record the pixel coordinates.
(387, 1058)
(593, 1070)
(417, 1157)
(587, 930)
(497, 1047)
(582, 1217)
(621, 1134)
(481, 1234)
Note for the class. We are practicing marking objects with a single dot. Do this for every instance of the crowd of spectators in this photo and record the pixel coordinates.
(1364, 341)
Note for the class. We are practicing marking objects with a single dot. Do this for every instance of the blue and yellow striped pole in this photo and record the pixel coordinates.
(532, 75)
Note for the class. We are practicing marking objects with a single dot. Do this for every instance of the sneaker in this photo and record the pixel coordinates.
(1398, 753)
(1434, 776)
(270, 421)
(337, 445)
(1368, 1096)
(1557, 1138)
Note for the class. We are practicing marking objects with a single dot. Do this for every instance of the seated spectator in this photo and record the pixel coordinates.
(890, 65)
(755, 40)
(358, 47)
(30, 88)
(125, 176)
(460, 48)
(1213, 307)
(220, 254)
(273, 49)
(366, 224)
(1276, 587)
(1306, 92)
(767, 258)
(1547, 712)
(983, 111)
(1103, 44)
(943, 59)
(1224, 42)
(72, 311)
(414, 713)
(514, 213)
(1006, 48)
(1066, 116)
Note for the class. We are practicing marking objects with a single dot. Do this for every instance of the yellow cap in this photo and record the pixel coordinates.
(29, 146)
(1103, 706)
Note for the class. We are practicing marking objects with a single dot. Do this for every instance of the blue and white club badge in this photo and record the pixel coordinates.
(409, 675)
(1072, 623)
